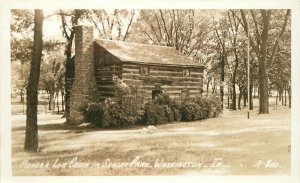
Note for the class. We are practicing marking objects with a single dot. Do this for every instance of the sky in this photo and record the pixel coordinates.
(51, 25)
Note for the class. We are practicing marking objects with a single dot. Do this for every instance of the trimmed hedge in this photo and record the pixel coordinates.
(95, 113)
(162, 110)
(198, 108)
(128, 111)
(124, 113)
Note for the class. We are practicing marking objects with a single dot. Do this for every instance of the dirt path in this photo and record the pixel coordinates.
(229, 144)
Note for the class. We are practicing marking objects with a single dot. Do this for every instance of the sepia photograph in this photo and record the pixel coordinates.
(150, 92)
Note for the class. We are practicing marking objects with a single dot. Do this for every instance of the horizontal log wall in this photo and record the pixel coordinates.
(105, 82)
(171, 79)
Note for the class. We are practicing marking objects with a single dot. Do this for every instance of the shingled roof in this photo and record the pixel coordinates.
(146, 53)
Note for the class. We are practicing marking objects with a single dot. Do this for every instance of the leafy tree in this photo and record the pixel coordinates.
(20, 75)
(221, 29)
(280, 72)
(259, 43)
(235, 43)
(53, 74)
(21, 48)
(69, 19)
(226, 42)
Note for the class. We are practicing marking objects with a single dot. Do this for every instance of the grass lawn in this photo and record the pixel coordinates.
(227, 145)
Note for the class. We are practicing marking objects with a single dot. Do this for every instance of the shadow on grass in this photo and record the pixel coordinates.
(76, 128)
(58, 126)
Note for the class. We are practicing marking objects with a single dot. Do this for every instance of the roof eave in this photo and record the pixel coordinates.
(162, 64)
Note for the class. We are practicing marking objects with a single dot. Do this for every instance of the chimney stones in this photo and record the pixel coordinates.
(84, 87)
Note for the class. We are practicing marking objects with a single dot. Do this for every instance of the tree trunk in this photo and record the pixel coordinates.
(262, 69)
(290, 97)
(213, 89)
(57, 103)
(68, 52)
(51, 101)
(285, 96)
(263, 93)
(279, 99)
(261, 50)
(31, 136)
(233, 80)
(239, 101)
(62, 100)
(245, 99)
(276, 98)
(207, 87)
(228, 98)
(251, 98)
(233, 97)
(222, 79)
(69, 74)
(22, 95)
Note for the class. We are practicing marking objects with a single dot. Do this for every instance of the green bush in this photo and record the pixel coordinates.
(154, 114)
(129, 110)
(190, 111)
(198, 108)
(173, 105)
(216, 107)
(212, 106)
(163, 99)
(112, 114)
(205, 106)
(162, 110)
(123, 114)
(95, 113)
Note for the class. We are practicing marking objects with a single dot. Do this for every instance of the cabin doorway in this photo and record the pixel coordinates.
(157, 91)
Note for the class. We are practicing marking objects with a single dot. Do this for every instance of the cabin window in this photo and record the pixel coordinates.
(145, 70)
(186, 72)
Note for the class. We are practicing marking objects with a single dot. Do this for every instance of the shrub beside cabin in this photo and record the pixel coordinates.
(156, 69)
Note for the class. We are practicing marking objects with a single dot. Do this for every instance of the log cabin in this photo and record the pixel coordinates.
(156, 69)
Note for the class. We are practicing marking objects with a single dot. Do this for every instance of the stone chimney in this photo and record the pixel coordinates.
(84, 86)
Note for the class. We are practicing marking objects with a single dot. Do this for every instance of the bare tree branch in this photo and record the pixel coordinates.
(159, 27)
(165, 27)
(63, 21)
(246, 27)
(126, 33)
(286, 18)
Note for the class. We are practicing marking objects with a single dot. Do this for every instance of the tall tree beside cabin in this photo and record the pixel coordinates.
(69, 65)
(31, 138)
(260, 48)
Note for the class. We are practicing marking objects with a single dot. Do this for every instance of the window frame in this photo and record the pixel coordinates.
(184, 72)
(147, 73)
